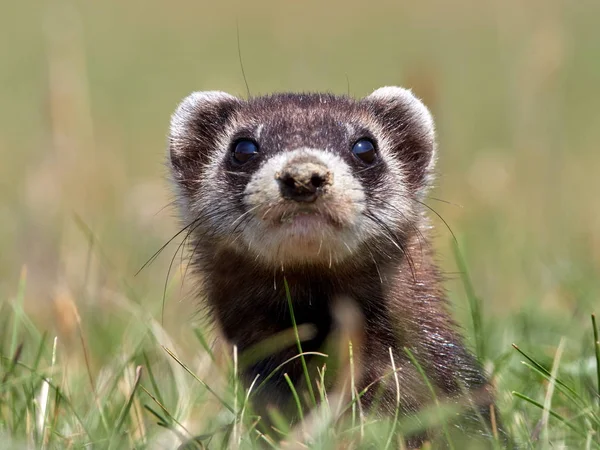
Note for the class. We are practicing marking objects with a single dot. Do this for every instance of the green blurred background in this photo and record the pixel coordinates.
(87, 88)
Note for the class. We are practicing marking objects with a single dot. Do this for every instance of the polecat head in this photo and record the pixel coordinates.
(302, 179)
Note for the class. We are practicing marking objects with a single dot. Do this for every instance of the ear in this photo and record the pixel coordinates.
(196, 127)
(408, 125)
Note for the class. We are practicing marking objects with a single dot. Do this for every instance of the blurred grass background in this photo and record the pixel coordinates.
(87, 89)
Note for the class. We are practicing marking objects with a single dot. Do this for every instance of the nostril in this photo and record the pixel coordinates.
(289, 181)
(317, 180)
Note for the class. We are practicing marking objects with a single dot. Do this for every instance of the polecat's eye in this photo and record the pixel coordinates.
(365, 150)
(244, 150)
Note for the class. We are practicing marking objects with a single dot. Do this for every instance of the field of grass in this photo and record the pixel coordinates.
(87, 355)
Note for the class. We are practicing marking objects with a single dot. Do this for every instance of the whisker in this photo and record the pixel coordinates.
(268, 210)
(164, 296)
(168, 205)
(241, 174)
(179, 247)
(446, 202)
(376, 266)
(191, 257)
(395, 240)
(321, 242)
(243, 221)
(419, 235)
(368, 168)
(440, 217)
(155, 255)
(242, 216)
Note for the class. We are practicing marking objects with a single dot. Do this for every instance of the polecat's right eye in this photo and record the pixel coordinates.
(244, 150)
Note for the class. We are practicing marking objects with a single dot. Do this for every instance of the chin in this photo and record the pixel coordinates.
(302, 240)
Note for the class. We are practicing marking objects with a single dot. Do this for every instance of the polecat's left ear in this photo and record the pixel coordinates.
(409, 127)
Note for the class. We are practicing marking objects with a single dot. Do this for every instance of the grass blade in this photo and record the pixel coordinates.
(280, 366)
(546, 373)
(597, 352)
(18, 312)
(302, 359)
(474, 301)
(295, 395)
(125, 411)
(169, 420)
(206, 386)
(554, 414)
(433, 395)
(151, 377)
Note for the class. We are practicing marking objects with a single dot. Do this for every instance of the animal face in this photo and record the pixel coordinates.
(302, 179)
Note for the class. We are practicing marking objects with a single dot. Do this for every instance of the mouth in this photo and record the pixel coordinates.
(305, 221)
(289, 217)
(290, 232)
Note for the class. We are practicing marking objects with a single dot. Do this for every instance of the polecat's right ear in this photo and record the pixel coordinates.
(196, 126)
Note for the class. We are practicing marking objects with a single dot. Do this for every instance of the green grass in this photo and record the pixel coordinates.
(150, 396)
(87, 89)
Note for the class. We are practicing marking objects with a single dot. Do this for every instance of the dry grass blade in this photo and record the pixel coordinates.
(204, 384)
(397, 410)
(120, 421)
(350, 323)
(550, 392)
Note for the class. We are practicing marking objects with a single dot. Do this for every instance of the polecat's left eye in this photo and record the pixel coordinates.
(244, 150)
(365, 150)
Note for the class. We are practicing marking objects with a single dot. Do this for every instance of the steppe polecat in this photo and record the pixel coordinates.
(325, 192)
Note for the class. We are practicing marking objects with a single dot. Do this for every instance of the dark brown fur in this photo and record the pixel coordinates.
(393, 280)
